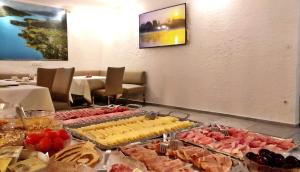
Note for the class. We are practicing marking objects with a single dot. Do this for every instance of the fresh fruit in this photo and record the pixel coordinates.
(278, 160)
(47, 141)
(45, 144)
(50, 134)
(58, 144)
(33, 138)
(263, 152)
(262, 160)
(63, 134)
(269, 158)
(291, 160)
(47, 129)
(252, 156)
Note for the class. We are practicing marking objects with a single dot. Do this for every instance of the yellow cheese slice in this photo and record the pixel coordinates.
(4, 162)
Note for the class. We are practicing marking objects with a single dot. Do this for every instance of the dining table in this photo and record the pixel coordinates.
(84, 85)
(29, 96)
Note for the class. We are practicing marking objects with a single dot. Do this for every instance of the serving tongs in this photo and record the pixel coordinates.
(21, 114)
(134, 106)
(151, 115)
(219, 128)
(180, 115)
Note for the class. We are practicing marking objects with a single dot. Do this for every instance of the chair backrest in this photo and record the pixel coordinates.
(114, 80)
(61, 84)
(134, 77)
(45, 77)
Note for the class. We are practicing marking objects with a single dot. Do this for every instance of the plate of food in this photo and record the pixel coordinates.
(234, 142)
(159, 155)
(112, 134)
(82, 153)
(15, 158)
(117, 161)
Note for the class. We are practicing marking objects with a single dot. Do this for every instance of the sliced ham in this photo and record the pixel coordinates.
(74, 114)
(237, 142)
(120, 168)
(94, 118)
(215, 163)
(153, 161)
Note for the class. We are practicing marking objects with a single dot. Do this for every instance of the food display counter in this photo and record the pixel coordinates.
(122, 139)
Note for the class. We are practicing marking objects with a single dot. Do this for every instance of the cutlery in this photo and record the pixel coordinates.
(103, 168)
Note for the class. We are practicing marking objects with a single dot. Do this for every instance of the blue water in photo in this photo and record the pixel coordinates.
(12, 46)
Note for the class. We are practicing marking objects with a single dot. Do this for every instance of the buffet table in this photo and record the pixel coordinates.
(83, 85)
(31, 97)
(116, 138)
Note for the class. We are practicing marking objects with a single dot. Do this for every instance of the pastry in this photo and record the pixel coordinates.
(81, 153)
(28, 165)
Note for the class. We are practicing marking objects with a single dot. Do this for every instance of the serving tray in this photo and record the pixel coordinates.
(97, 121)
(105, 147)
(237, 165)
(297, 144)
(136, 108)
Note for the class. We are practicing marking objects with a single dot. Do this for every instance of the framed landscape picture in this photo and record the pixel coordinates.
(163, 27)
(32, 32)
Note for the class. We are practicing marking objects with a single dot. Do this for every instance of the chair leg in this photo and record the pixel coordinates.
(108, 100)
(144, 98)
(115, 99)
(93, 100)
(126, 100)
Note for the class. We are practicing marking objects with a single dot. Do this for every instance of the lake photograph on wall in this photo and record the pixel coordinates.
(163, 27)
(32, 32)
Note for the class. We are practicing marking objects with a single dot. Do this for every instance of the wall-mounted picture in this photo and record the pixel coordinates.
(163, 27)
(32, 32)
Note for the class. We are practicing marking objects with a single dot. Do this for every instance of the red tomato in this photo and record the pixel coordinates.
(45, 144)
(33, 138)
(47, 129)
(58, 144)
(63, 134)
(50, 134)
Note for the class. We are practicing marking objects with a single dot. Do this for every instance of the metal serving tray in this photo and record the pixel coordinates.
(297, 144)
(237, 165)
(104, 147)
(97, 121)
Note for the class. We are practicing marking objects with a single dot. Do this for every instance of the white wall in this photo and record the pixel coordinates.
(242, 56)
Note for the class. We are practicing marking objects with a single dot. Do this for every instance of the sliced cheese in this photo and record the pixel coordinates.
(4, 162)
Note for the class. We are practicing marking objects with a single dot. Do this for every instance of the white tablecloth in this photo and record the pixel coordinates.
(82, 85)
(31, 97)
(19, 82)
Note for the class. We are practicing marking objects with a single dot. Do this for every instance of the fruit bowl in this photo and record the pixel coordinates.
(268, 161)
(48, 141)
